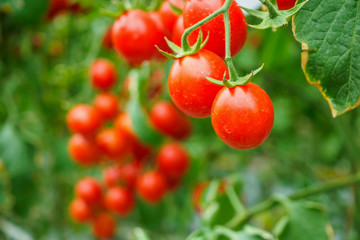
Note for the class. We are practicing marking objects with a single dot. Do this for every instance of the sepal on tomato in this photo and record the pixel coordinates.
(237, 81)
(179, 52)
(273, 18)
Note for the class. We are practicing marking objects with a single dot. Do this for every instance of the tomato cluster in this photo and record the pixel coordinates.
(103, 136)
(242, 116)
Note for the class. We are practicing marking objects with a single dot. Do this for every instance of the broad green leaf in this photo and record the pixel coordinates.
(305, 220)
(27, 12)
(329, 34)
(14, 152)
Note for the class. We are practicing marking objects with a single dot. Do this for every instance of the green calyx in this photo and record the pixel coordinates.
(235, 79)
(119, 7)
(179, 52)
(273, 18)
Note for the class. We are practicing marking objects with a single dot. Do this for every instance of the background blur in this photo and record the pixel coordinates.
(44, 72)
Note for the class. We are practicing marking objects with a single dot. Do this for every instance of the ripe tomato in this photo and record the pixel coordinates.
(151, 186)
(83, 150)
(107, 41)
(123, 125)
(167, 119)
(168, 15)
(173, 160)
(112, 143)
(55, 8)
(190, 91)
(103, 74)
(107, 105)
(80, 211)
(122, 174)
(285, 4)
(242, 116)
(120, 200)
(135, 35)
(89, 190)
(104, 226)
(197, 194)
(178, 30)
(196, 10)
(83, 119)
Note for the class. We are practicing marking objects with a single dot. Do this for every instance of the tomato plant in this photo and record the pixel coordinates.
(94, 143)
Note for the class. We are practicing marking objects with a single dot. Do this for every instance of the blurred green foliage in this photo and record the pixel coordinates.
(38, 85)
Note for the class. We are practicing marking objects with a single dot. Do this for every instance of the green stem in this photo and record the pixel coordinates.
(272, 11)
(240, 219)
(184, 43)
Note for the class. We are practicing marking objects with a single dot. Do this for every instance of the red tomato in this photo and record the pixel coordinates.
(120, 200)
(242, 116)
(89, 190)
(123, 125)
(168, 15)
(190, 91)
(196, 10)
(178, 30)
(83, 119)
(125, 174)
(107, 41)
(55, 8)
(107, 105)
(80, 211)
(285, 4)
(135, 35)
(112, 143)
(104, 226)
(197, 193)
(167, 119)
(103, 74)
(83, 150)
(173, 160)
(151, 186)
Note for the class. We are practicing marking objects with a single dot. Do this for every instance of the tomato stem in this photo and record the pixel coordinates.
(271, 8)
(184, 42)
(241, 218)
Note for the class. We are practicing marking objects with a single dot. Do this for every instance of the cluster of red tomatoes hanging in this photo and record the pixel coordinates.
(103, 135)
(242, 116)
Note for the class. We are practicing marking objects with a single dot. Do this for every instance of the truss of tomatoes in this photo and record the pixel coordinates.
(128, 160)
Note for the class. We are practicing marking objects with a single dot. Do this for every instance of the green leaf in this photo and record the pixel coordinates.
(14, 152)
(248, 233)
(135, 107)
(329, 34)
(28, 12)
(305, 220)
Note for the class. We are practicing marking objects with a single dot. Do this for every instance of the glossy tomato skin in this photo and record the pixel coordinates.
(173, 160)
(242, 116)
(168, 15)
(120, 200)
(83, 119)
(103, 74)
(196, 10)
(89, 190)
(107, 105)
(104, 226)
(83, 150)
(178, 30)
(135, 35)
(112, 143)
(167, 119)
(151, 186)
(190, 91)
(80, 211)
(285, 4)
